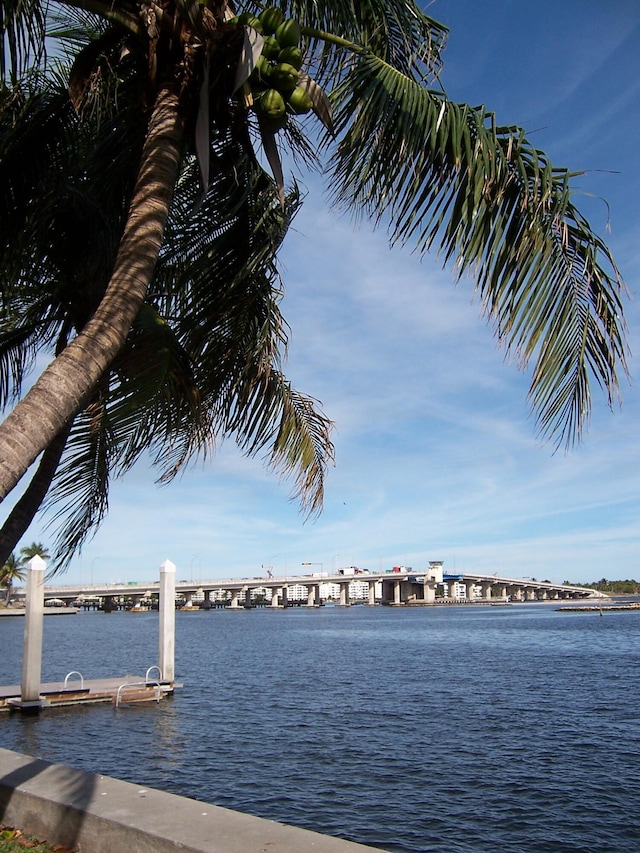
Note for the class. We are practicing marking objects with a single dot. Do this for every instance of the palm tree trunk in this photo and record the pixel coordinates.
(22, 514)
(68, 381)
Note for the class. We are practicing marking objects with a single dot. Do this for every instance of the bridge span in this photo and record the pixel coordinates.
(396, 587)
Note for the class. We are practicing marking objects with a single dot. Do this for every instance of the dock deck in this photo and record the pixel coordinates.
(119, 690)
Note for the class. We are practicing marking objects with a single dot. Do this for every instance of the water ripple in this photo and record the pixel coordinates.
(500, 729)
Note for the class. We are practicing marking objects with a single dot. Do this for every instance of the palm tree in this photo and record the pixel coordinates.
(442, 175)
(12, 569)
(36, 549)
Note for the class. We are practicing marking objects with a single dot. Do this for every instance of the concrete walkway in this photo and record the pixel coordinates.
(98, 814)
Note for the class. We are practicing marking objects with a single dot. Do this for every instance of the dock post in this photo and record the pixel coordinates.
(32, 644)
(167, 614)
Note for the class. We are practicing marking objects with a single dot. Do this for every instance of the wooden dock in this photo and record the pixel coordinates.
(122, 690)
(32, 696)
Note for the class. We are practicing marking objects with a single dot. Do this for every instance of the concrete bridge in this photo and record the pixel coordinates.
(397, 586)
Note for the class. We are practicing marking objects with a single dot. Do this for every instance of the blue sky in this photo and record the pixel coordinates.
(436, 453)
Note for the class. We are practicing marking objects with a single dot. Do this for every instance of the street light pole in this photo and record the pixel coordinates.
(196, 557)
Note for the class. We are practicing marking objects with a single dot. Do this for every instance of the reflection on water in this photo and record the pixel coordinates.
(511, 729)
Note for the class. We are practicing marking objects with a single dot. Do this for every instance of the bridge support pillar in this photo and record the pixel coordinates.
(247, 597)
(285, 596)
(344, 594)
(372, 593)
(429, 593)
(235, 594)
(486, 591)
(397, 592)
(275, 597)
(313, 595)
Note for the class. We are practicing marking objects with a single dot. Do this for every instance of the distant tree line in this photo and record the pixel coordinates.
(628, 587)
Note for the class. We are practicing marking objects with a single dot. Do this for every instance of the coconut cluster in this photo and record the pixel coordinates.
(274, 80)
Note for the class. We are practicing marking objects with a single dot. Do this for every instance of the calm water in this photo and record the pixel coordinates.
(454, 729)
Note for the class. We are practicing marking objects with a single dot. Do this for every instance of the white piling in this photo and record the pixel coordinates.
(167, 628)
(32, 644)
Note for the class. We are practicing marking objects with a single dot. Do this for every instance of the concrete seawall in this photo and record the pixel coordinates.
(99, 814)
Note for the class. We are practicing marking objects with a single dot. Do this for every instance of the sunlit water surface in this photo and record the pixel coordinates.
(428, 729)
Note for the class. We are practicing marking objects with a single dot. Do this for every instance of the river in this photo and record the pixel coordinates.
(461, 729)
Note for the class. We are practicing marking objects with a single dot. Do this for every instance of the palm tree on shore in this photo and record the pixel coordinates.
(12, 570)
(35, 549)
(442, 175)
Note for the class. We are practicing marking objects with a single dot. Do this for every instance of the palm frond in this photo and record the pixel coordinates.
(24, 510)
(19, 348)
(154, 402)
(218, 286)
(398, 31)
(60, 219)
(79, 498)
(22, 37)
(148, 402)
(291, 428)
(36, 135)
(444, 175)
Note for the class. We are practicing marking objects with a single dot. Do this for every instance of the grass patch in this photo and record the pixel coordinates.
(13, 840)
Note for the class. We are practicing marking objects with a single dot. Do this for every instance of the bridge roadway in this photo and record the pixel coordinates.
(398, 587)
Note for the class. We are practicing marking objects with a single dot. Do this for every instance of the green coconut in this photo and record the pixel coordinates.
(271, 104)
(288, 33)
(271, 18)
(284, 77)
(292, 56)
(299, 101)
